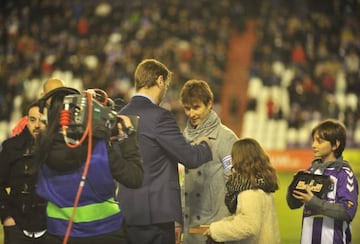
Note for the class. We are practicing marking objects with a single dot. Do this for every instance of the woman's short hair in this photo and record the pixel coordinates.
(196, 90)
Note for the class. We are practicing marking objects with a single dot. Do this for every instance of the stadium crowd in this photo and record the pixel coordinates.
(309, 58)
(310, 49)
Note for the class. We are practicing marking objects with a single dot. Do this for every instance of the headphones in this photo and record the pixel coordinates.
(60, 92)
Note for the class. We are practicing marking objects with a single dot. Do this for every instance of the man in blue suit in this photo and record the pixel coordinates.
(152, 210)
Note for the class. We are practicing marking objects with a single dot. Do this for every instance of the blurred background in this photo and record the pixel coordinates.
(277, 67)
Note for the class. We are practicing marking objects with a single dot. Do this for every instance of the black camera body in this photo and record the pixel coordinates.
(90, 106)
(320, 185)
(103, 118)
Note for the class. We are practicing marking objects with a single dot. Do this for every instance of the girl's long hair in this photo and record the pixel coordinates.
(250, 161)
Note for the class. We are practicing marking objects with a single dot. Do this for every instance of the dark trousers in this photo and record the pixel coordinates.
(116, 237)
(14, 235)
(163, 233)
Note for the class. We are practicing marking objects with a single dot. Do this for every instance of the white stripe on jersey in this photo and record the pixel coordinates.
(306, 235)
(327, 231)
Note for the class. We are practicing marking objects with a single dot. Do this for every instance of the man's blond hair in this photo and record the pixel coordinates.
(50, 85)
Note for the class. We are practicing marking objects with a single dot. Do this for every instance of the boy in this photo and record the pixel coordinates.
(328, 220)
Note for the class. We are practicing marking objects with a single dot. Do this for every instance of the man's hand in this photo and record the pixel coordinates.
(204, 138)
(10, 221)
(126, 122)
(178, 234)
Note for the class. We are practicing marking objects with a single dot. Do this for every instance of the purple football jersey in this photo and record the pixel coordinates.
(320, 229)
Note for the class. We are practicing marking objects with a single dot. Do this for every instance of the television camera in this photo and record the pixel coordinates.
(92, 105)
(81, 111)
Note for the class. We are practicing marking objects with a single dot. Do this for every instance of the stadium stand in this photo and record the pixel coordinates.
(304, 62)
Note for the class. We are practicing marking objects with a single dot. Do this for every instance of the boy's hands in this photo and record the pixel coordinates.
(303, 196)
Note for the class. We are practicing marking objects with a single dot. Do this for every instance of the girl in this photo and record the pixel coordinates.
(249, 197)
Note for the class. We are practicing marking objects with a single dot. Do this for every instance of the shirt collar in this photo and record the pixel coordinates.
(143, 95)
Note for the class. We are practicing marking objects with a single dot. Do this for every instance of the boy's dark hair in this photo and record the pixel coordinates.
(332, 130)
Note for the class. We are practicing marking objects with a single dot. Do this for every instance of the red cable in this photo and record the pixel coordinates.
(88, 132)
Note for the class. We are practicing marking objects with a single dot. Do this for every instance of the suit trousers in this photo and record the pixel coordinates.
(162, 233)
(115, 237)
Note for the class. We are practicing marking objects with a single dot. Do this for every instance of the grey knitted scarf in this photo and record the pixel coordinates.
(204, 128)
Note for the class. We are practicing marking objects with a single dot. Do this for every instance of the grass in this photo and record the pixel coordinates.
(290, 220)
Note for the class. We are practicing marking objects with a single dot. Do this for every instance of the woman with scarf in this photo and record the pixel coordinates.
(249, 198)
(204, 187)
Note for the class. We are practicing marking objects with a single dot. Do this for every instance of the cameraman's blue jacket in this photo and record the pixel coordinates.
(97, 212)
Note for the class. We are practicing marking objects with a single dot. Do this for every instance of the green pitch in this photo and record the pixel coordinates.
(290, 220)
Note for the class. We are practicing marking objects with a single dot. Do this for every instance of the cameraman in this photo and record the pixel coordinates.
(98, 218)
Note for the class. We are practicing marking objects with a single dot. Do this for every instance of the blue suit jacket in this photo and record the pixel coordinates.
(162, 147)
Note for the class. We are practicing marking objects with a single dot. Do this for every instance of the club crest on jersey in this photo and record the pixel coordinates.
(349, 204)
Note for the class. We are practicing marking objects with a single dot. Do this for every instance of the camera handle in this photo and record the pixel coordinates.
(127, 130)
